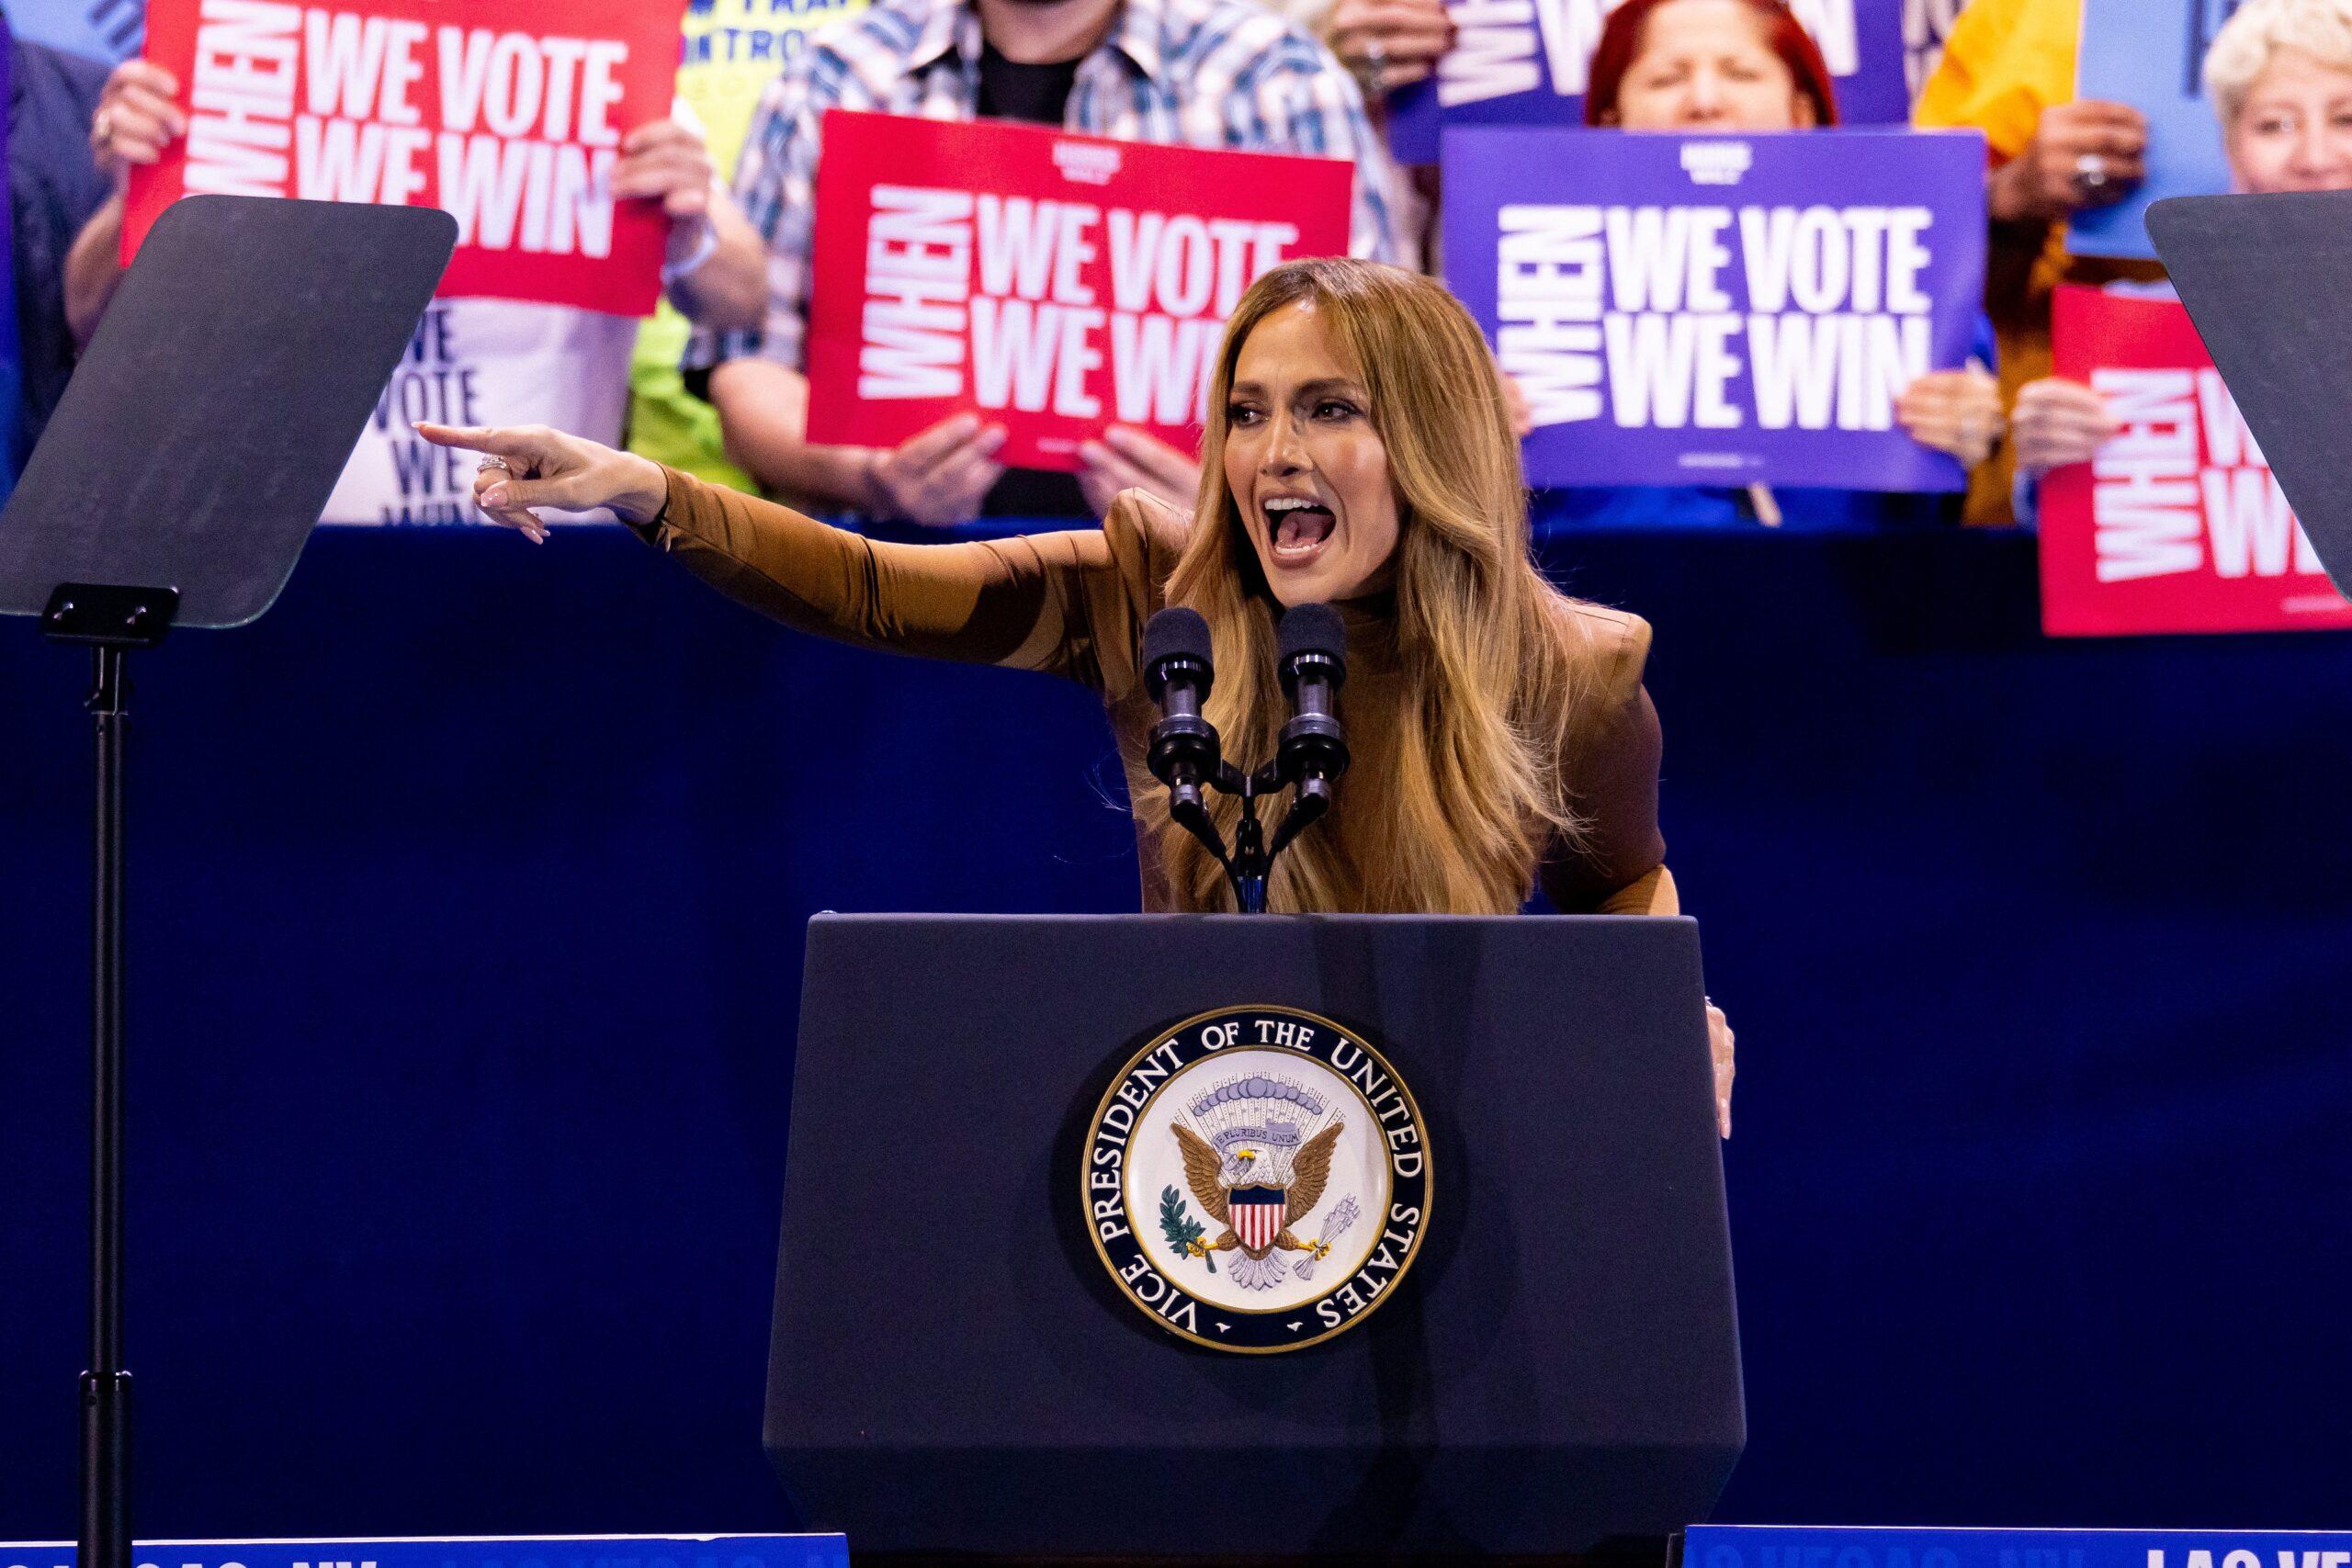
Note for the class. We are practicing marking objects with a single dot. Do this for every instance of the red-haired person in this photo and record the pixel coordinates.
(1748, 66)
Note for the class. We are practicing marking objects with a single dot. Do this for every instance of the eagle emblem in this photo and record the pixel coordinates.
(1257, 1154)
(1256, 1178)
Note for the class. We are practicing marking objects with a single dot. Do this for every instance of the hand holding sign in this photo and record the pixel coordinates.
(1127, 459)
(1957, 412)
(2083, 154)
(937, 476)
(2060, 422)
(667, 162)
(1388, 44)
(138, 115)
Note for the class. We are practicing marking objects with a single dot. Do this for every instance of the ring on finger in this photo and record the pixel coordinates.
(102, 127)
(488, 463)
(2090, 176)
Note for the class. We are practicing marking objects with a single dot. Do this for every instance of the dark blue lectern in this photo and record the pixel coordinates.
(956, 1370)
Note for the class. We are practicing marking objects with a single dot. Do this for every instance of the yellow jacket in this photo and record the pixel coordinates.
(2005, 61)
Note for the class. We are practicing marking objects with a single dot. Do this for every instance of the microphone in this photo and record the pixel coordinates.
(1179, 671)
(1314, 665)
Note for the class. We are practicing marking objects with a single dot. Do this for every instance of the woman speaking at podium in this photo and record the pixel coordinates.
(1358, 451)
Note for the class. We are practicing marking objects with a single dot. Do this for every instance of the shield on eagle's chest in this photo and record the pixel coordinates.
(1257, 1214)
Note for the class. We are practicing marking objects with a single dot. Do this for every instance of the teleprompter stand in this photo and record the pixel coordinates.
(195, 448)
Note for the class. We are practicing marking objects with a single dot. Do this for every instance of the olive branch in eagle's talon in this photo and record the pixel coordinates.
(1183, 1231)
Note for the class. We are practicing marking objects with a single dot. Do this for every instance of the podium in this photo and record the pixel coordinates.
(960, 1365)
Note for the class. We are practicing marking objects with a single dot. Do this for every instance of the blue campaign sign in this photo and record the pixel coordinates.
(1804, 1546)
(467, 1552)
(103, 29)
(1721, 310)
(2151, 55)
(1523, 63)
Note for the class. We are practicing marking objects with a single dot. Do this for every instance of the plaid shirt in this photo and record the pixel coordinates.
(1222, 74)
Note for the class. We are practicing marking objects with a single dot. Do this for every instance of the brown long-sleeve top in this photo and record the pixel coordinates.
(1074, 604)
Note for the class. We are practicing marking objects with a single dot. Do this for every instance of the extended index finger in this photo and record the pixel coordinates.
(478, 438)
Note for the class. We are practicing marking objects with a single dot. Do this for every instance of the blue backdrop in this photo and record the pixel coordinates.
(467, 895)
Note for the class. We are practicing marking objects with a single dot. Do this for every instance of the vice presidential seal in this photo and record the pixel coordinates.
(1257, 1180)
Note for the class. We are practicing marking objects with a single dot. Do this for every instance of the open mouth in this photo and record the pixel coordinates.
(1298, 526)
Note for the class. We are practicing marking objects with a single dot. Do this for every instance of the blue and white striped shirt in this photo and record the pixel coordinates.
(1225, 73)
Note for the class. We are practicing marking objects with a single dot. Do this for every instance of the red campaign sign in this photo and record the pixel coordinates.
(2176, 526)
(431, 102)
(1056, 284)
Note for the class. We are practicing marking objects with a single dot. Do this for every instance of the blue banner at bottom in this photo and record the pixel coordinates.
(1805, 1546)
(467, 1552)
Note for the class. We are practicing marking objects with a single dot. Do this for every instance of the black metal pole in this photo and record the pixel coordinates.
(1251, 866)
(105, 1387)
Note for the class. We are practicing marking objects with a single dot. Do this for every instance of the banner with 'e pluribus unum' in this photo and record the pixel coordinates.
(1721, 310)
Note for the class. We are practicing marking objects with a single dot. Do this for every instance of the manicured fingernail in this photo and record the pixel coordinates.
(494, 496)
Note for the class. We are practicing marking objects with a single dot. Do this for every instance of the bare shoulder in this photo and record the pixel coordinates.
(1617, 642)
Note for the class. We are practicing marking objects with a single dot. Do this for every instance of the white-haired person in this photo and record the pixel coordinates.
(2279, 77)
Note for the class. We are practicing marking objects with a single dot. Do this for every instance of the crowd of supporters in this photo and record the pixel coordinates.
(1300, 76)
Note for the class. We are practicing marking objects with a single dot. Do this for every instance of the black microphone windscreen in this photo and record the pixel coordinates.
(1313, 629)
(1175, 632)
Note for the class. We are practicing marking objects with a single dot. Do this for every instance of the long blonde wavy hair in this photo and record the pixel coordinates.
(1452, 817)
